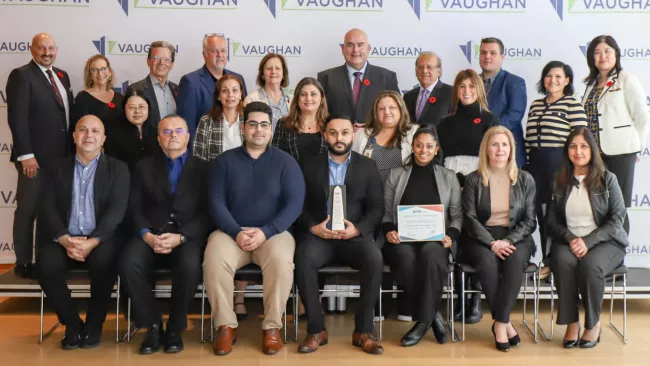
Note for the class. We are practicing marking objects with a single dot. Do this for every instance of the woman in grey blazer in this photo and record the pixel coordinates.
(421, 267)
(585, 219)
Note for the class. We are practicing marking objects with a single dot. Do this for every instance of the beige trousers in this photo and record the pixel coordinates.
(223, 257)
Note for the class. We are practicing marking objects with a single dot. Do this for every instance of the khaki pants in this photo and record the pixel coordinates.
(223, 257)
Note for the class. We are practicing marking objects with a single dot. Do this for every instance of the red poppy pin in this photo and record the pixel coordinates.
(477, 121)
(366, 82)
(175, 94)
(610, 83)
(432, 100)
(59, 74)
(111, 105)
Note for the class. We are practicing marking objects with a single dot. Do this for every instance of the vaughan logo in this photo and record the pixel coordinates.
(68, 3)
(393, 51)
(334, 5)
(601, 6)
(637, 250)
(271, 5)
(107, 47)
(627, 53)
(259, 50)
(640, 202)
(179, 4)
(8, 198)
(476, 6)
(14, 47)
(3, 98)
(6, 247)
(5, 147)
(472, 50)
(415, 5)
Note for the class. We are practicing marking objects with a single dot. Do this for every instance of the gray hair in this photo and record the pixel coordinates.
(430, 54)
(205, 39)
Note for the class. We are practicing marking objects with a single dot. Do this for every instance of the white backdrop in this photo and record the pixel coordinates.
(309, 33)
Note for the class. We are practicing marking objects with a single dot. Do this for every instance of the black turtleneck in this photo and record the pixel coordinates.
(461, 133)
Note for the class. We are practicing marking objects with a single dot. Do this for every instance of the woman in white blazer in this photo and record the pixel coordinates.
(388, 135)
(616, 112)
(272, 78)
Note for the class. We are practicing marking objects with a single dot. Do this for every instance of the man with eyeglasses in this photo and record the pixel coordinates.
(256, 193)
(197, 88)
(39, 100)
(169, 211)
(429, 101)
(161, 92)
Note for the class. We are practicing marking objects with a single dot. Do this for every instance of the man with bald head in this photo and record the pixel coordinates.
(39, 100)
(196, 88)
(428, 102)
(352, 88)
(84, 200)
(169, 211)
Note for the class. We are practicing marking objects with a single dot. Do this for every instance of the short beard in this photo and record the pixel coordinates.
(347, 149)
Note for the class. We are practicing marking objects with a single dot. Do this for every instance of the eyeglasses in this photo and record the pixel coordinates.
(214, 35)
(165, 60)
(179, 131)
(95, 70)
(261, 125)
(133, 108)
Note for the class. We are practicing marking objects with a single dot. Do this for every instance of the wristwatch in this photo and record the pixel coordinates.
(183, 239)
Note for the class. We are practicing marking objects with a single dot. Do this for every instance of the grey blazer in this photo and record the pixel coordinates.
(448, 188)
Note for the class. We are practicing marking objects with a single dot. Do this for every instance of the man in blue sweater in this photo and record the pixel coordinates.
(256, 193)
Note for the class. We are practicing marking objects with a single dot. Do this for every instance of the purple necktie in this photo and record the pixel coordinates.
(55, 88)
(423, 100)
(356, 87)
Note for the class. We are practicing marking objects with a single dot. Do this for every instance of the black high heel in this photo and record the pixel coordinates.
(515, 340)
(590, 344)
(503, 347)
(571, 343)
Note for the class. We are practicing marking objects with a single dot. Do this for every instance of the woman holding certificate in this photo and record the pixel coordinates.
(499, 207)
(585, 219)
(420, 267)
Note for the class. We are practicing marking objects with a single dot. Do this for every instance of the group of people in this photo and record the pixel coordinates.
(204, 178)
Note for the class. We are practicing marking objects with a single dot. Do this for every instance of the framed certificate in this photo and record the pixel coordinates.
(421, 223)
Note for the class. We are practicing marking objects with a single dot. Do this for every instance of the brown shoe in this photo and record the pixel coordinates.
(272, 341)
(225, 339)
(367, 343)
(312, 342)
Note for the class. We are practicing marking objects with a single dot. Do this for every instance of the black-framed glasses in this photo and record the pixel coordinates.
(169, 131)
(261, 125)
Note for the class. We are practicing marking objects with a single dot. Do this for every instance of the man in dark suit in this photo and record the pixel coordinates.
(351, 89)
(169, 209)
(506, 92)
(39, 100)
(161, 92)
(197, 88)
(84, 200)
(428, 102)
(319, 244)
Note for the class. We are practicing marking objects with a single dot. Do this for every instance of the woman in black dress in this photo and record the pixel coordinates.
(98, 97)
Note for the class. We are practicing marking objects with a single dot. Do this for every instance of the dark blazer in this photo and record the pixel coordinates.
(507, 100)
(478, 209)
(147, 89)
(152, 203)
(364, 197)
(36, 117)
(608, 210)
(195, 93)
(338, 90)
(432, 112)
(111, 199)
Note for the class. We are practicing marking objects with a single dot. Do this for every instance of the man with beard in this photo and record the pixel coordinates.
(320, 245)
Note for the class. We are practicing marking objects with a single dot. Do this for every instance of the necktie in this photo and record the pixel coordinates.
(423, 100)
(356, 87)
(54, 87)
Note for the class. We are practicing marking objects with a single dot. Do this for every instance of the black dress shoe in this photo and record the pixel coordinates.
(503, 347)
(72, 339)
(474, 313)
(570, 343)
(91, 339)
(25, 271)
(589, 344)
(413, 336)
(439, 329)
(173, 342)
(152, 343)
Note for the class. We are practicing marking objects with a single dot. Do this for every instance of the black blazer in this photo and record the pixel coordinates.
(152, 204)
(608, 210)
(111, 199)
(364, 196)
(477, 206)
(338, 90)
(432, 112)
(147, 89)
(36, 117)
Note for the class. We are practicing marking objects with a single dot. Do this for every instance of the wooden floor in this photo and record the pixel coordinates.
(19, 324)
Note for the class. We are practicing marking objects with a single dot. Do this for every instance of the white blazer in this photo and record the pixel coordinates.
(623, 115)
(361, 140)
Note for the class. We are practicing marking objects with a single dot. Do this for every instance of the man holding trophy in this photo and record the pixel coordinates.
(343, 209)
